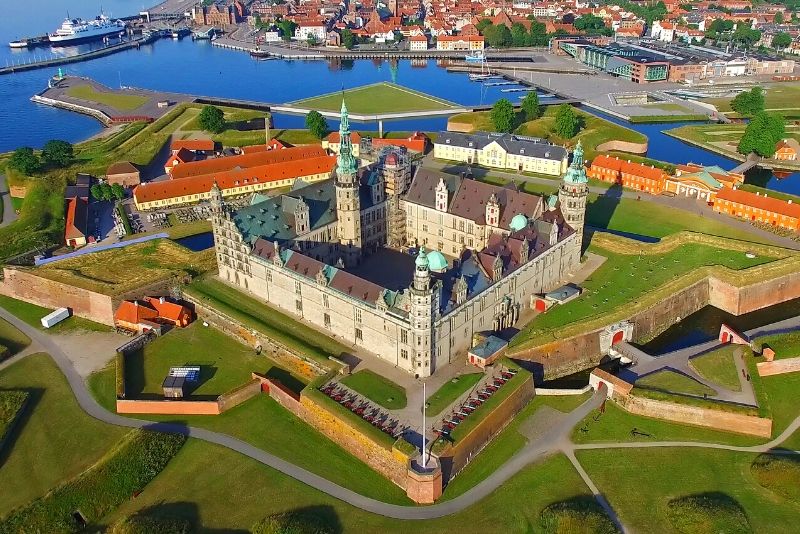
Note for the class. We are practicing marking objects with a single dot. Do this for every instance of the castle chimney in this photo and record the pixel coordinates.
(161, 300)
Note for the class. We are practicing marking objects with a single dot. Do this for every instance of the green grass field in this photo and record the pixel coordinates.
(450, 391)
(272, 323)
(779, 474)
(624, 278)
(640, 484)
(224, 363)
(719, 367)
(377, 98)
(776, 395)
(507, 443)
(118, 101)
(784, 345)
(11, 402)
(777, 97)
(259, 491)
(55, 439)
(377, 388)
(673, 382)
(12, 338)
(707, 513)
(32, 314)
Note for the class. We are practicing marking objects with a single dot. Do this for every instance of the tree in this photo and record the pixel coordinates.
(749, 102)
(97, 191)
(25, 161)
(781, 40)
(502, 115)
(520, 35)
(539, 34)
(311, 40)
(212, 119)
(498, 36)
(287, 28)
(483, 24)
(567, 123)
(57, 152)
(778, 18)
(530, 106)
(317, 124)
(117, 191)
(762, 134)
(105, 192)
(348, 39)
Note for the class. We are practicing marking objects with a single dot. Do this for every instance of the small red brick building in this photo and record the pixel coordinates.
(150, 313)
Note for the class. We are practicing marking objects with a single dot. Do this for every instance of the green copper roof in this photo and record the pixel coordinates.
(422, 258)
(345, 162)
(436, 261)
(518, 222)
(576, 174)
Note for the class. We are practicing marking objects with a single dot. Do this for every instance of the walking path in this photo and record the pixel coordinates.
(9, 215)
(553, 440)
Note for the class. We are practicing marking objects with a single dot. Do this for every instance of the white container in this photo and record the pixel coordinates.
(55, 317)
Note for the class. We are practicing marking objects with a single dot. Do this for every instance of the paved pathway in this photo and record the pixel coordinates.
(553, 440)
(9, 215)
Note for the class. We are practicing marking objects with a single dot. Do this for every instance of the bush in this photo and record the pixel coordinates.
(142, 524)
(576, 516)
(290, 523)
(212, 119)
(707, 513)
(137, 460)
(779, 474)
(58, 153)
(25, 161)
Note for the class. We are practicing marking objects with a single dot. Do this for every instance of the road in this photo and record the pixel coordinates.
(9, 215)
(553, 440)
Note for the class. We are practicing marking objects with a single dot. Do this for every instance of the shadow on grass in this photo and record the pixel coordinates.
(34, 398)
(286, 378)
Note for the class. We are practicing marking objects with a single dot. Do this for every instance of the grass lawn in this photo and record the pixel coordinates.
(780, 96)
(639, 119)
(708, 513)
(792, 442)
(116, 271)
(779, 474)
(54, 441)
(118, 101)
(377, 389)
(41, 218)
(224, 363)
(270, 322)
(232, 115)
(450, 391)
(712, 136)
(259, 491)
(507, 443)
(615, 425)
(11, 402)
(719, 367)
(640, 483)
(673, 382)
(382, 97)
(784, 345)
(11, 337)
(626, 278)
(594, 130)
(777, 395)
(32, 314)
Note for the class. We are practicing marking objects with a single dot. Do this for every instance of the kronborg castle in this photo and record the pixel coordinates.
(332, 253)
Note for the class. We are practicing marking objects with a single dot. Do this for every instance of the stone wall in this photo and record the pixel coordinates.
(778, 367)
(238, 395)
(654, 320)
(753, 297)
(168, 407)
(563, 357)
(695, 415)
(622, 146)
(455, 457)
(25, 285)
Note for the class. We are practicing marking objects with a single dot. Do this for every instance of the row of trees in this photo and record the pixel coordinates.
(105, 191)
(500, 36)
(55, 154)
(762, 134)
(565, 125)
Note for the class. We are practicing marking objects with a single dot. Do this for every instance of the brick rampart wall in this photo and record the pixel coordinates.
(778, 367)
(695, 415)
(27, 286)
(454, 458)
(239, 395)
(171, 407)
(755, 296)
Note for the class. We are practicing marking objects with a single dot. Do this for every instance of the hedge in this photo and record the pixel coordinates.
(119, 374)
(12, 402)
(126, 470)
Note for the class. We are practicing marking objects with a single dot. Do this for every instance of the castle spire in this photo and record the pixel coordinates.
(345, 161)
(576, 174)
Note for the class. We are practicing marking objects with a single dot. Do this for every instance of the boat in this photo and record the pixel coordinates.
(21, 43)
(475, 57)
(29, 42)
(74, 31)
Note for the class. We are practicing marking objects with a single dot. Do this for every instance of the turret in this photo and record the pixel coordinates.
(217, 202)
(348, 205)
(493, 211)
(302, 222)
(441, 195)
(423, 312)
(573, 192)
(422, 272)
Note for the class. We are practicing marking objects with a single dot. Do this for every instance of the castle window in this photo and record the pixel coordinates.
(404, 354)
(297, 287)
(359, 335)
(327, 319)
(325, 301)
(404, 336)
(298, 305)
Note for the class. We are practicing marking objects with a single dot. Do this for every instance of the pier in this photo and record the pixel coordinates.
(101, 52)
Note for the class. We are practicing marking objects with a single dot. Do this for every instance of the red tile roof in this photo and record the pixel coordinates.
(205, 145)
(195, 185)
(246, 161)
(764, 202)
(77, 218)
(134, 313)
(166, 309)
(627, 167)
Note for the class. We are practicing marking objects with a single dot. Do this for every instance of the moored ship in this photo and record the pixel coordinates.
(74, 31)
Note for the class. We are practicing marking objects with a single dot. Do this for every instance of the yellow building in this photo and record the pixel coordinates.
(502, 151)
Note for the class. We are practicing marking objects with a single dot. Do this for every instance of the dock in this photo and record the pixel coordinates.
(101, 52)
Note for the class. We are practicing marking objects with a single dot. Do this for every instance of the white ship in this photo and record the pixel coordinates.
(74, 31)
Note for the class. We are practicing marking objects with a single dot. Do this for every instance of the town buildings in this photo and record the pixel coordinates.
(76, 211)
(151, 313)
(123, 173)
(702, 183)
(628, 174)
(502, 151)
(787, 150)
(758, 207)
(332, 253)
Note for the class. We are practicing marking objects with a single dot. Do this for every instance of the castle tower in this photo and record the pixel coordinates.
(217, 202)
(424, 302)
(348, 205)
(573, 192)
